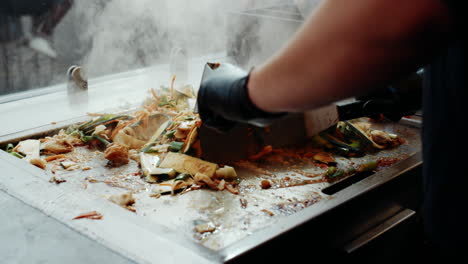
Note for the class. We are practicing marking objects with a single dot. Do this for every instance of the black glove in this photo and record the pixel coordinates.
(223, 99)
(400, 99)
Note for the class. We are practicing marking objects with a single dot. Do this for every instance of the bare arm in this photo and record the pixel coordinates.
(346, 48)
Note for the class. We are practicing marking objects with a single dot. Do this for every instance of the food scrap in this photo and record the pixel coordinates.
(57, 180)
(356, 138)
(243, 203)
(270, 213)
(116, 154)
(89, 215)
(125, 200)
(265, 184)
(205, 227)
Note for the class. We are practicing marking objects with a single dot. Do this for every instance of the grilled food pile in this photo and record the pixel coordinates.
(162, 137)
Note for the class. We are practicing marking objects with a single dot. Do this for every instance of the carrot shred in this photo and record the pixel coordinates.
(155, 95)
(265, 151)
(172, 86)
(90, 215)
(270, 213)
(231, 189)
(55, 157)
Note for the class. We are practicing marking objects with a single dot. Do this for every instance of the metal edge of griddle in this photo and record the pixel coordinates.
(295, 220)
(41, 131)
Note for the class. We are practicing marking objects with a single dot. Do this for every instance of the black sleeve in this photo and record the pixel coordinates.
(458, 9)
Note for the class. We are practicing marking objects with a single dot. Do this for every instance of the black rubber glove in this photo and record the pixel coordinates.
(223, 99)
(395, 101)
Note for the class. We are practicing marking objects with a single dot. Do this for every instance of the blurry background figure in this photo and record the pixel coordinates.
(32, 22)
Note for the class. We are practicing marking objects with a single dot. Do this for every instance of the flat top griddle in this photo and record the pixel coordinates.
(264, 213)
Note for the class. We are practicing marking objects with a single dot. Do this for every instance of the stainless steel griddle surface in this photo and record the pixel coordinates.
(264, 212)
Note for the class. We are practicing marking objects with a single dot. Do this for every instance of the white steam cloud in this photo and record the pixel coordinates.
(120, 35)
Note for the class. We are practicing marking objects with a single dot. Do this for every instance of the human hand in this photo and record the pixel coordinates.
(223, 99)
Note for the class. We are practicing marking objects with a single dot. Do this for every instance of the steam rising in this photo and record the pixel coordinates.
(119, 35)
(122, 35)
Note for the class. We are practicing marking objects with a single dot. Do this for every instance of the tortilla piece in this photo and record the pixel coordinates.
(186, 164)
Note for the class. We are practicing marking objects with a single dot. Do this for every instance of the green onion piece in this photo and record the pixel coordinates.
(331, 170)
(9, 148)
(351, 171)
(101, 139)
(369, 166)
(165, 102)
(150, 150)
(175, 146)
(74, 133)
(16, 154)
(355, 144)
(170, 134)
(89, 127)
(85, 124)
(334, 172)
(85, 138)
(182, 177)
(70, 130)
(338, 173)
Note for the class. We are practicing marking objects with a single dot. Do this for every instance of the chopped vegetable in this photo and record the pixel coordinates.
(126, 138)
(203, 179)
(102, 140)
(368, 166)
(16, 154)
(270, 213)
(55, 157)
(125, 199)
(28, 148)
(232, 189)
(160, 174)
(116, 154)
(57, 146)
(40, 163)
(191, 138)
(89, 127)
(324, 157)
(171, 133)
(205, 227)
(69, 165)
(334, 172)
(182, 177)
(227, 173)
(186, 164)
(175, 146)
(9, 148)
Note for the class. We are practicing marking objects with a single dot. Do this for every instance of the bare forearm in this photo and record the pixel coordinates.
(346, 48)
